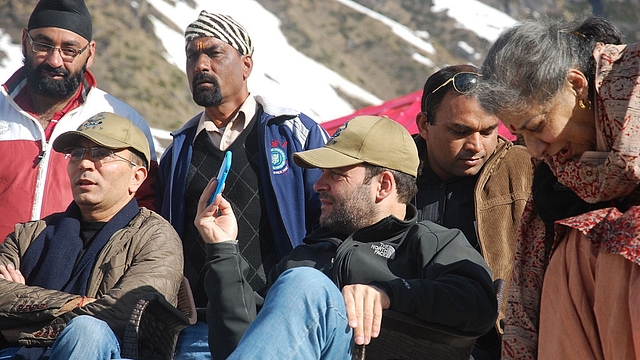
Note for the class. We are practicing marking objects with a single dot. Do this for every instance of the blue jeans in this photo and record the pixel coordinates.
(193, 343)
(86, 337)
(7, 354)
(303, 317)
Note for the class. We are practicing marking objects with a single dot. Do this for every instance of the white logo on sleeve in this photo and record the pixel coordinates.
(406, 284)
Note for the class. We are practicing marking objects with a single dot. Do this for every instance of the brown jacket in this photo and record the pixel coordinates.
(143, 257)
(501, 192)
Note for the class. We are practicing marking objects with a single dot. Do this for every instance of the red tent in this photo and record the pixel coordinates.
(402, 109)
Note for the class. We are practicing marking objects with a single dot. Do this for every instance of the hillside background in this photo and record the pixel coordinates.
(130, 62)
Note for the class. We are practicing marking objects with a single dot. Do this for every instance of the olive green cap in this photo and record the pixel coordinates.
(376, 140)
(109, 130)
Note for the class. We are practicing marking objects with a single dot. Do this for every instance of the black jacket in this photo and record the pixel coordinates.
(427, 271)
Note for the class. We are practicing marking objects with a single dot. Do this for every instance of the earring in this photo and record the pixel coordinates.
(584, 104)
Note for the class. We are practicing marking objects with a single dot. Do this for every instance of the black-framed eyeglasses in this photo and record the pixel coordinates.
(463, 82)
(66, 53)
(97, 153)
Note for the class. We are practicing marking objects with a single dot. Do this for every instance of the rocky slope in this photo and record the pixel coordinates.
(129, 64)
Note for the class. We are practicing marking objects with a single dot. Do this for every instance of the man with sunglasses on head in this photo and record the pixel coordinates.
(72, 280)
(52, 93)
(472, 178)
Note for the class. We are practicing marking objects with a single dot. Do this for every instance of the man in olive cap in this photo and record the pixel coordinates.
(370, 246)
(72, 279)
(52, 93)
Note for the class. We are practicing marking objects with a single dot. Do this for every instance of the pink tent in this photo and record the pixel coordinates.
(402, 109)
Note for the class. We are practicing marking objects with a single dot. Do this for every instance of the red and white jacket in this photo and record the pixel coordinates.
(33, 178)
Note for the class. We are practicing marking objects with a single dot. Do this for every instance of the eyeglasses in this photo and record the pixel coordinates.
(97, 153)
(463, 82)
(67, 54)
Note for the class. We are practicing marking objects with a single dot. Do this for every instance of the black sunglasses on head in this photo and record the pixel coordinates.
(463, 82)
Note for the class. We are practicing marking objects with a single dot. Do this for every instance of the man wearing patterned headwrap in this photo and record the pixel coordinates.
(52, 93)
(274, 198)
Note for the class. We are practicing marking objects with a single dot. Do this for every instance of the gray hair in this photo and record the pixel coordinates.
(528, 64)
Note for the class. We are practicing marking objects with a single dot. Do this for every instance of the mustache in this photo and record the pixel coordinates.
(204, 77)
(327, 197)
(44, 67)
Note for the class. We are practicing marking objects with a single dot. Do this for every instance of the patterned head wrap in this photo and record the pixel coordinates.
(221, 27)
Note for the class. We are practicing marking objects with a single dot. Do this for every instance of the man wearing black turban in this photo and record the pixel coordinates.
(52, 93)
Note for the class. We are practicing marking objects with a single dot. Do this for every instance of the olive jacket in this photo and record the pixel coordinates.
(143, 257)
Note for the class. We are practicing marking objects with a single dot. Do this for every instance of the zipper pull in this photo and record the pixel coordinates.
(38, 160)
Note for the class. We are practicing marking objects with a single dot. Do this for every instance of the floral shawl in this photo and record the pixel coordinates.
(611, 173)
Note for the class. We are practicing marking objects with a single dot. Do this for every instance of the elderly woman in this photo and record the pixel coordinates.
(572, 92)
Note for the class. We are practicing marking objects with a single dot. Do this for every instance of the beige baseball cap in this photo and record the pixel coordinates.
(109, 130)
(376, 140)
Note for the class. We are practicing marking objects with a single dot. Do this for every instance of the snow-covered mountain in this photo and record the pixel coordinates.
(279, 69)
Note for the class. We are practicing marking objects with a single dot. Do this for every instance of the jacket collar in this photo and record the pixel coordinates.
(384, 229)
(269, 111)
(388, 227)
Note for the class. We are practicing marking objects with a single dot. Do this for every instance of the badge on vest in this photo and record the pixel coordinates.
(279, 161)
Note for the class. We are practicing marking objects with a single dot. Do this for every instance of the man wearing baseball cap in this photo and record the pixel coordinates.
(370, 254)
(71, 280)
(110, 131)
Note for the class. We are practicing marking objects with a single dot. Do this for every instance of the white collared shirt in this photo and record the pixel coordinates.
(222, 138)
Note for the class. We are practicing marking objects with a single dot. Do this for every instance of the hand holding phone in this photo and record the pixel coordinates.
(222, 176)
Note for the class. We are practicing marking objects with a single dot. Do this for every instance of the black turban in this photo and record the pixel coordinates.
(71, 15)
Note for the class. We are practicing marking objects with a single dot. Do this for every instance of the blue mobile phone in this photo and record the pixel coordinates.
(222, 175)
